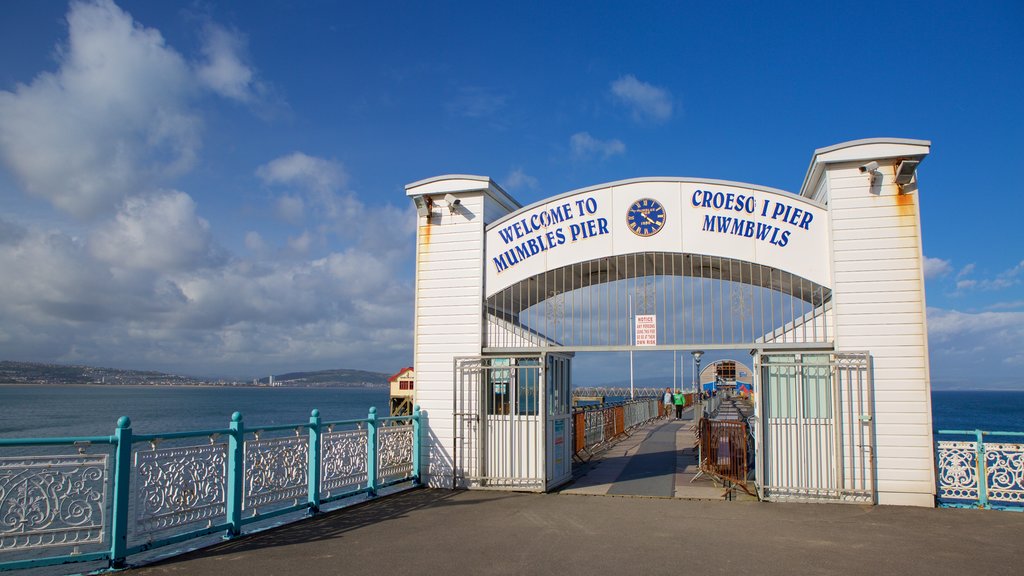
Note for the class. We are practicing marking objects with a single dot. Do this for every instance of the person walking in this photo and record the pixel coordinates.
(667, 401)
(679, 400)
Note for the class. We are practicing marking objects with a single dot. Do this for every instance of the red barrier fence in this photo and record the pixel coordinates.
(723, 447)
(593, 427)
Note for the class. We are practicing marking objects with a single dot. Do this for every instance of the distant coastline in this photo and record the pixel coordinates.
(40, 374)
(202, 385)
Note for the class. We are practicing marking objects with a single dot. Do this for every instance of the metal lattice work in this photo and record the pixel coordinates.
(698, 300)
(50, 501)
(394, 451)
(344, 459)
(179, 486)
(612, 392)
(958, 470)
(1004, 465)
(276, 470)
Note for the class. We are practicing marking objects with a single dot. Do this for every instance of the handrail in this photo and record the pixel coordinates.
(594, 426)
(219, 493)
(979, 474)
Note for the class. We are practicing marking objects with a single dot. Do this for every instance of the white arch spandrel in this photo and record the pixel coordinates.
(712, 217)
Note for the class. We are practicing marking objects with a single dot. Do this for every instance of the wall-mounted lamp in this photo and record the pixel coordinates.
(905, 171)
(423, 205)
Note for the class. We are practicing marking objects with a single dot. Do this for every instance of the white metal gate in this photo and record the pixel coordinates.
(499, 423)
(816, 438)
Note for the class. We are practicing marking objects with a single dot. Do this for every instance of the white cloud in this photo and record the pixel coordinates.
(966, 348)
(1007, 305)
(59, 302)
(585, 146)
(298, 169)
(253, 241)
(143, 284)
(646, 101)
(319, 184)
(300, 244)
(936, 267)
(1003, 280)
(110, 119)
(157, 232)
(290, 209)
(517, 179)
(962, 285)
(224, 70)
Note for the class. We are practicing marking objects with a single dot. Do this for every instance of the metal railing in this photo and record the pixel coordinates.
(711, 405)
(962, 464)
(594, 426)
(167, 488)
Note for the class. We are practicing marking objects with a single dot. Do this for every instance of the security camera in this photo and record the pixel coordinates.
(452, 200)
(869, 167)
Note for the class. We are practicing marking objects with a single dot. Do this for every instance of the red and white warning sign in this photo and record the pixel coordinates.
(646, 326)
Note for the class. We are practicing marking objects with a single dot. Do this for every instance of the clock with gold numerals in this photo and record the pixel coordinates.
(646, 217)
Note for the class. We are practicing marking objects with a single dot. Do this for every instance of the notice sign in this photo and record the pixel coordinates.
(646, 330)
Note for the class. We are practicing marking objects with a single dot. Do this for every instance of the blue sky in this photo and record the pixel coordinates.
(217, 188)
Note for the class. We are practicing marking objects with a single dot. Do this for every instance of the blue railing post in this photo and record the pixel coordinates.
(979, 453)
(416, 444)
(314, 461)
(122, 492)
(371, 448)
(236, 471)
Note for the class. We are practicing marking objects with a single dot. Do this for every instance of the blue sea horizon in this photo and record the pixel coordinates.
(46, 411)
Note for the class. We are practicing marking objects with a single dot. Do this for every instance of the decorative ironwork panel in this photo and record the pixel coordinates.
(179, 486)
(394, 450)
(52, 500)
(276, 470)
(344, 459)
(1005, 468)
(958, 470)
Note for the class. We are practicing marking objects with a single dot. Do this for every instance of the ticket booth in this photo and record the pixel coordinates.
(513, 422)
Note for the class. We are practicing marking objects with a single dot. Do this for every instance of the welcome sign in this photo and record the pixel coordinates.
(729, 220)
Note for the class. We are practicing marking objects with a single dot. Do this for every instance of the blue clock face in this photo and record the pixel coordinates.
(646, 217)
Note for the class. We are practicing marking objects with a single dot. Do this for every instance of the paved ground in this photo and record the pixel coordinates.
(658, 459)
(585, 530)
(478, 532)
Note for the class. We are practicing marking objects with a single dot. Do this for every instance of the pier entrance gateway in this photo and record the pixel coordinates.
(824, 288)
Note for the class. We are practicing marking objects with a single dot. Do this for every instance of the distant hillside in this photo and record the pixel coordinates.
(39, 373)
(340, 377)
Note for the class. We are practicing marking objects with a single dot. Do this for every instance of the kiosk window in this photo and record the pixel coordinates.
(498, 386)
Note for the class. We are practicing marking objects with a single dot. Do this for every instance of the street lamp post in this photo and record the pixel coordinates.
(698, 409)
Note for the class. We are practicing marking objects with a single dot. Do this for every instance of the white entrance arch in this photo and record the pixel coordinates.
(848, 246)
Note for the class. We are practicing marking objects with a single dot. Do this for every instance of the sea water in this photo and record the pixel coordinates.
(43, 411)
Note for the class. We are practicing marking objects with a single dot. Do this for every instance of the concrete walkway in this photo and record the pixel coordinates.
(495, 533)
(656, 460)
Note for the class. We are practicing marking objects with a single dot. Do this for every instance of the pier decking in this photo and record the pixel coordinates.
(662, 522)
(657, 460)
(482, 532)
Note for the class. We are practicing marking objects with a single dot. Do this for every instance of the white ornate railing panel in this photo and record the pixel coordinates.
(958, 470)
(1005, 468)
(52, 500)
(276, 470)
(394, 451)
(343, 459)
(179, 486)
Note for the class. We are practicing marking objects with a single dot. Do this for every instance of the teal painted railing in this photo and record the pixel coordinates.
(978, 474)
(60, 502)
